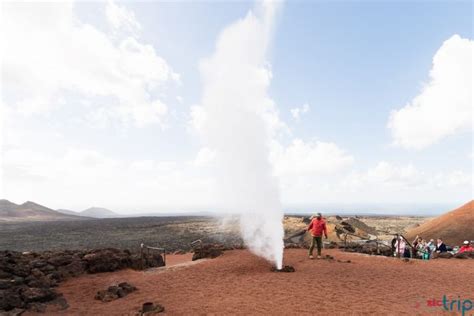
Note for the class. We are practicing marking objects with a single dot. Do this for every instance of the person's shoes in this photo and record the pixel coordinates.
(319, 257)
(311, 257)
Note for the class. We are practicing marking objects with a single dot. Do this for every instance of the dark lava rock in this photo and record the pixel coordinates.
(444, 255)
(37, 294)
(106, 296)
(127, 287)
(5, 284)
(348, 227)
(37, 307)
(465, 255)
(150, 308)
(114, 292)
(13, 312)
(339, 218)
(60, 259)
(208, 251)
(4, 274)
(284, 269)
(10, 299)
(306, 220)
(369, 247)
(105, 260)
(73, 269)
(27, 279)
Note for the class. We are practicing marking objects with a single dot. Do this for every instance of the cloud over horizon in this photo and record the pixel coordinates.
(102, 102)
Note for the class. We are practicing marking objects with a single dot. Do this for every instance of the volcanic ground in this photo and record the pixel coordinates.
(241, 283)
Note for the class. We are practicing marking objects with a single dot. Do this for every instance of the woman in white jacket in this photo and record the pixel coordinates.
(400, 245)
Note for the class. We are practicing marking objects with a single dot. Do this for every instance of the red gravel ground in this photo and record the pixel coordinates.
(241, 283)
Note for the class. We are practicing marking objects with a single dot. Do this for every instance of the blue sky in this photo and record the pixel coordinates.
(352, 63)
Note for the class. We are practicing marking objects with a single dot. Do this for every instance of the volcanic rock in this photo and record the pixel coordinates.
(306, 220)
(465, 255)
(208, 251)
(150, 308)
(115, 291)
(27, 279)
(444, 255)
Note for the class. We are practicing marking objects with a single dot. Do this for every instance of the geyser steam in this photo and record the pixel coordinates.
(237, 120)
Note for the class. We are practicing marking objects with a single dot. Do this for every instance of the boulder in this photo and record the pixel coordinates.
(10, 299)
(32, 294)
(60, 259)
(347, 227)
(5, 284)
(73, 269)
(114, 292)
(150, 308)
(208, 251)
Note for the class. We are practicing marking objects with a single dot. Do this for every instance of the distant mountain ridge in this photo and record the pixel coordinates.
(31, 211)
(68, 212)
(99, 212)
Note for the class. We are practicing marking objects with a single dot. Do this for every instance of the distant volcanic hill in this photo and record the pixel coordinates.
(98, 212)
(30, 211)
(68, 212)
(453, 227)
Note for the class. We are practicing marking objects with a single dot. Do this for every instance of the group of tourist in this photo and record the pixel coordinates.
(423, 249)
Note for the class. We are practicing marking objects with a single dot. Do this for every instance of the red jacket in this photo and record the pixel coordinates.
(317, 227)
(466, 248)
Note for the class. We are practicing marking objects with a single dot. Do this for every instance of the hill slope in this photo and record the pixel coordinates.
(453, 227)
(98, 212)
(67, 212)
(30, 211)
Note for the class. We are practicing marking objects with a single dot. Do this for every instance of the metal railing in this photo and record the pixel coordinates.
(197, 242)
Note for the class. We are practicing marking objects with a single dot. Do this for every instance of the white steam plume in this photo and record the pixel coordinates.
(237, 120)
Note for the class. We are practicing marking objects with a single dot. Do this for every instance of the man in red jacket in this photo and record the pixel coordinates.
(317, 227)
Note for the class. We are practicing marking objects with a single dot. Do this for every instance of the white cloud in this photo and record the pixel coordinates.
(309, 158)
(389, 174)
(297, 112)
(54, 59)
(204, 157)
(2, 128)
(120, 17)
(197, 119)
(444, 106)
(79, 178)
(455, 178)
(390, 177)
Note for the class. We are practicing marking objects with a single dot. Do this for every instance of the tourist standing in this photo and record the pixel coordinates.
(317, 228)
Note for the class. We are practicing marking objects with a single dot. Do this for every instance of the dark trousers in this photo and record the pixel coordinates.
(319, 243)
